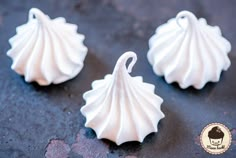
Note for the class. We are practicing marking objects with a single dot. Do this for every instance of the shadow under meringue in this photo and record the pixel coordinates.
(168, 138)
(93, 69)
(204, 91)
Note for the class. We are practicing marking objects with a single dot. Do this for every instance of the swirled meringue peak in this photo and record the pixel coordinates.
(189, 51)
(122, 108)
(47, 50)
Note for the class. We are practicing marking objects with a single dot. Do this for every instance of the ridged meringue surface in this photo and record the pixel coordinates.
(122, 108)
(188, 51)
(47, 50)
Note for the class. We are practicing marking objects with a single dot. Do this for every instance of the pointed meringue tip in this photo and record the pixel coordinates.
(118, 142)
(85, 96)
(82, 112)
(189, 15)
(43, 83)
(86, 125)
(34, 10)
(160, 98)
(8, 53)
(185, 13)
(123, 60)
(11, 39)
(199, 87)
(163, 116)
(142, 139)
(82, 37)
(36, 13)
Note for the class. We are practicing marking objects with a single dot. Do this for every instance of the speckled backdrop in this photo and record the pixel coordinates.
(37, 122)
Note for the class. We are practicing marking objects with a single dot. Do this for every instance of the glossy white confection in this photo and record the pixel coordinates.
(189, 51)
(47, 50)
(122, 108)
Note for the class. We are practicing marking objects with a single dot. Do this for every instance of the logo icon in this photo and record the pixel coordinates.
(215, 138)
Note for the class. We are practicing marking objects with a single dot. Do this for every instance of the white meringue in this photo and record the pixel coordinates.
(188, 51)
(122, 108)
(47, 50)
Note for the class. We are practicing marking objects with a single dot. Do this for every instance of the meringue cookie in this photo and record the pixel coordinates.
(189, 51)
(47, 50)
(122, 108)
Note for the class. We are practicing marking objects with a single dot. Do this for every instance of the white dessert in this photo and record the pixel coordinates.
(47, 50)
(189, 51)
(120, 107)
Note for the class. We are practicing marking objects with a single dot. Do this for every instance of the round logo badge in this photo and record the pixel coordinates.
(215, 138)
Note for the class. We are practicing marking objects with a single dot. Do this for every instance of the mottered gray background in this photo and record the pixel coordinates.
(38, 122)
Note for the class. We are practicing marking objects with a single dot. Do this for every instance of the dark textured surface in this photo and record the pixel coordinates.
(33, 119)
